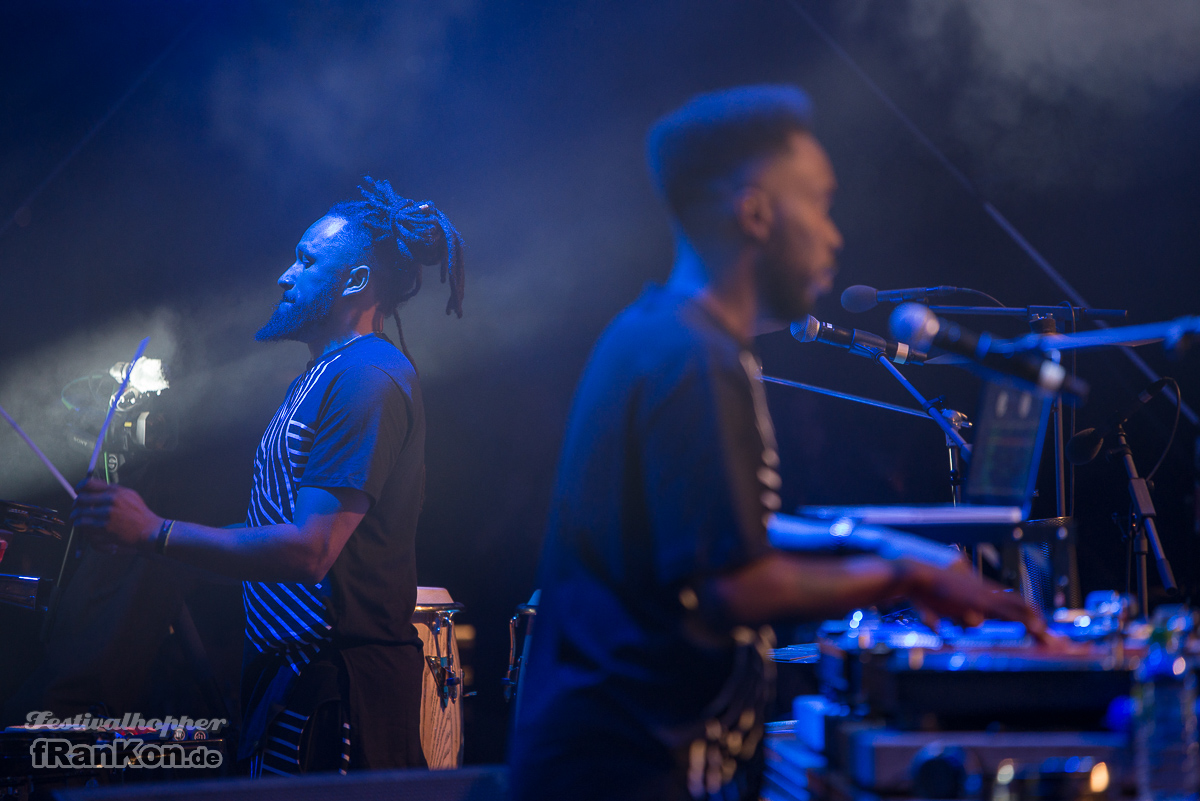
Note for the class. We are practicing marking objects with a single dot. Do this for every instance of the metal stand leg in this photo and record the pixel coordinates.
(1064, 585)
(1141, 554)
(1144, 529)
(934, 413)
(960, 422)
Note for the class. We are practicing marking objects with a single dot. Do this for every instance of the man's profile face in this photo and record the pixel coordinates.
(314, 282)
(799, 255)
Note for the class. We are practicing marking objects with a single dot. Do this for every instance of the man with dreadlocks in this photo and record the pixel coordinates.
(332, 675)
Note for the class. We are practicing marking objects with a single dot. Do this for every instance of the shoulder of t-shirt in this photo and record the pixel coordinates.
(662, 329)
(376, 363)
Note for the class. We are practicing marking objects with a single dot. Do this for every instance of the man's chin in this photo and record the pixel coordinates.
(785, 296)
(789, 309)
(281, 328)
(266, 334)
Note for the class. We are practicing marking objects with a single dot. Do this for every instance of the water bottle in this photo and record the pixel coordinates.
(1166, 753)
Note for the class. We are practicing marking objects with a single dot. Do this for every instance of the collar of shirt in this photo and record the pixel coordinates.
(330, 354)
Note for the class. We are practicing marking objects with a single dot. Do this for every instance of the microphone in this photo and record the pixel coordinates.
(1085, 446)
(917, 325)
(860, 298)
(860, 343)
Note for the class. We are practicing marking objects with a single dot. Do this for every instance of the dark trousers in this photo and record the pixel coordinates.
(355, 708)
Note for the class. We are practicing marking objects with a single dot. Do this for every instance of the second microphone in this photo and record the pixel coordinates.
(860, 343)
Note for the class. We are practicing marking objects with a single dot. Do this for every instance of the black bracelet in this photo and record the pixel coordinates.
(164, 533)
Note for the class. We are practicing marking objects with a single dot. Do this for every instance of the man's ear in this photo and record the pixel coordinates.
(753, 213)
(358, 280)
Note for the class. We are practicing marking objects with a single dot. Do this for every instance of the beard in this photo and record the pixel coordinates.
(784, 295)
(299, 321)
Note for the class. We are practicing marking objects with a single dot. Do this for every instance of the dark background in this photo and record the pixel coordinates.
(161, 160)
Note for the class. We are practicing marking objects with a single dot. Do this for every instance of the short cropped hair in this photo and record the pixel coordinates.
(716, 134)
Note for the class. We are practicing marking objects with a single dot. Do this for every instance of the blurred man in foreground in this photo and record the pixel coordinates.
(647, 676)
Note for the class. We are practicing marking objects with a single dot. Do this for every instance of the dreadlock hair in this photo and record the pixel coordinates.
(399, 237)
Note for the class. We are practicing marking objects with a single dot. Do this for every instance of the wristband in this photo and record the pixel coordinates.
(164, 533)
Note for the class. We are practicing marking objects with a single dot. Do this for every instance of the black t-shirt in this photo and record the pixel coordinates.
(667, 478)
(353, 420)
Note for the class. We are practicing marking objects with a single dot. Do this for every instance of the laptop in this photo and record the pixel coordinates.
(1001, 474)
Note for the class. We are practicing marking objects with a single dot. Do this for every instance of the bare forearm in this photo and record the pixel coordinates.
(265, 553)
(782, 585)
(304, 550)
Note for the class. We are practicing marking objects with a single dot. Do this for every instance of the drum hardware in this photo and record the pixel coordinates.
(16, 518)
(27, 592)
(513, 681)
(442, 665)
(512, 676)
(442, 683)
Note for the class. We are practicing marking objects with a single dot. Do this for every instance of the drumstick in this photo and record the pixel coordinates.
(38, 453)
(112, 408)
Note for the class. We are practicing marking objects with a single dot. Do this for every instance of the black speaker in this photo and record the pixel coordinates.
(482, 783)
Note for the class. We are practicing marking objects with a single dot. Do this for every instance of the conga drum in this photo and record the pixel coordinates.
(441, 682)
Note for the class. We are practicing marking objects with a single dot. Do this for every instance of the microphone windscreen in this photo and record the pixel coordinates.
(914, 324)
(859, 298)
(806, 330)
(1084, 446)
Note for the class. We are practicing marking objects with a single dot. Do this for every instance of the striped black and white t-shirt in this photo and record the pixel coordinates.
(353, 420)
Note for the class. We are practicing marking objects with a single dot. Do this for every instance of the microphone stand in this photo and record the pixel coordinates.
(1060, 312)
(950, 422)
(1064, 589)
(935, 414)
(959, 421)
(1044, 321)
(832, 393)
(1143, 528)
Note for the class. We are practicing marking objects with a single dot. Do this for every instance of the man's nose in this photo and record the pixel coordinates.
(286, 280)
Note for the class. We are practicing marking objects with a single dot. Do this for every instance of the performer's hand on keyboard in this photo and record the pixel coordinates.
(956, 592)
(113, 517)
